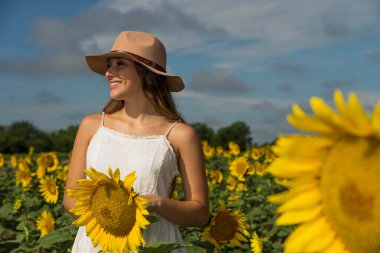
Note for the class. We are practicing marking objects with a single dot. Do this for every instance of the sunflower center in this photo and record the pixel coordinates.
(349, 184)
(225, 227)
(110, 207)
(49, 161)
(52, 188)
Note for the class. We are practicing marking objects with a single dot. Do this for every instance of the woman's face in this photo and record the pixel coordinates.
(122, 78)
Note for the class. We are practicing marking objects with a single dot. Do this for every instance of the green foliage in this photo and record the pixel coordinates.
(18, 231)
(19, 136)
(205, 133)
(238, 132)
(63, 139)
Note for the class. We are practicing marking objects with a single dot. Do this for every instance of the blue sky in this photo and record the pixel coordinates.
(240, 60)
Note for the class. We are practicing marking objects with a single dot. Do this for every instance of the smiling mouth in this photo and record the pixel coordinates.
(113, 84)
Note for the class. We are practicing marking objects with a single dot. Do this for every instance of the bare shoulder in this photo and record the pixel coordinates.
(90, 124)
(183, 135)
(184, 132)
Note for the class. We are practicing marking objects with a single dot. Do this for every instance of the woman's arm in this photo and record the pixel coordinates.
(77, 164)
(194, 210)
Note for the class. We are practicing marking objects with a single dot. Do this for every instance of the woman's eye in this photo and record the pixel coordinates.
(119, 63)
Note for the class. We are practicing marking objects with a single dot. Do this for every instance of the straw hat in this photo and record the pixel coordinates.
(140, 47)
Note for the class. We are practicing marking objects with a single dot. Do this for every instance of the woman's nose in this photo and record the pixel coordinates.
(109, 73)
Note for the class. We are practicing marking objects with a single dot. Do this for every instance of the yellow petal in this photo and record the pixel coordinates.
(129, 180)
(340, 103)
(289, 168)
(310, 237)
(300, 146)
(335, 247)
(298, 216)
(305, 200)
(376, 120)
(310, 124)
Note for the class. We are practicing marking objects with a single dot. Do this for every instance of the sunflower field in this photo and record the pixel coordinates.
(305, 193)
(33, 219)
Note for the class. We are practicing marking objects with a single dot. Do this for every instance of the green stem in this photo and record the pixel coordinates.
(26, 229)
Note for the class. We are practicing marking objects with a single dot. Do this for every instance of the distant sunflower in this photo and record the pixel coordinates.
(208, 150)
(49, 189)
(48, 160)
(17, 205)
(231, 183)
(234, 148)
(256, 243)
(23, 175)
(239, 167)
(334, 190)
(13, 161)
(1, 160)
(45, 223)
(111, 211)
(216, 176)
(226, 227)
(62, 174)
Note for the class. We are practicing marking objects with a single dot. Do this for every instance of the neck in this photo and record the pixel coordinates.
(139, 111)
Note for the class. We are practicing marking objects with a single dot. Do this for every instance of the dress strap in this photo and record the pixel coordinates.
(171, 127)
(102, 118)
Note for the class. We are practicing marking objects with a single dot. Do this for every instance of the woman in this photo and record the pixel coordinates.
(140, 130)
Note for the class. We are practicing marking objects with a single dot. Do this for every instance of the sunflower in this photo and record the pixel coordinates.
(23, 175)
(226, 227)
(13, 161)
(49, 189)
(1, 160)
(234, 148)
(255, 153)
(111, 211)
(208, 150)
(334, 190)
(219, 150)
(216, 176)
(17, 205)
(62, 174)
(45, 223)
(48, 161)
(256, 243)
(241, 187)
(40, 172)
(239, 167)
(231, 183)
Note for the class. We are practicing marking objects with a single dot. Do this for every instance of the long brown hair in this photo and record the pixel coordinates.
(156, 90)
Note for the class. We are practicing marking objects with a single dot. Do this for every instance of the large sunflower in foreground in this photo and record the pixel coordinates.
(226, 227)
(111, 211)
(45, 223)
(335, 175)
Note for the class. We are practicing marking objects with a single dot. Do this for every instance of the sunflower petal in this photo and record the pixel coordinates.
(129, 180)
(303, 200)
(298, 216)
(303, 238)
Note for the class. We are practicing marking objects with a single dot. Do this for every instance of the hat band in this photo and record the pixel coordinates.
(144, 61)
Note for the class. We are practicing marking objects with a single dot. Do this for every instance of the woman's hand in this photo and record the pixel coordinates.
(155, 202)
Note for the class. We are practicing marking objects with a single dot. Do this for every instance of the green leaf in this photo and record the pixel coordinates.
(6, 212)
(160, 247)
(56, 236)
(152, 218)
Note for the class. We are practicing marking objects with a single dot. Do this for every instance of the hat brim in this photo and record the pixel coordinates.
(98, 64)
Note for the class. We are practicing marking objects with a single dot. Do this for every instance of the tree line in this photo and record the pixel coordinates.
(20, 135)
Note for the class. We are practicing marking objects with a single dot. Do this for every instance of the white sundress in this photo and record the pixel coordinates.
(155, 163)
